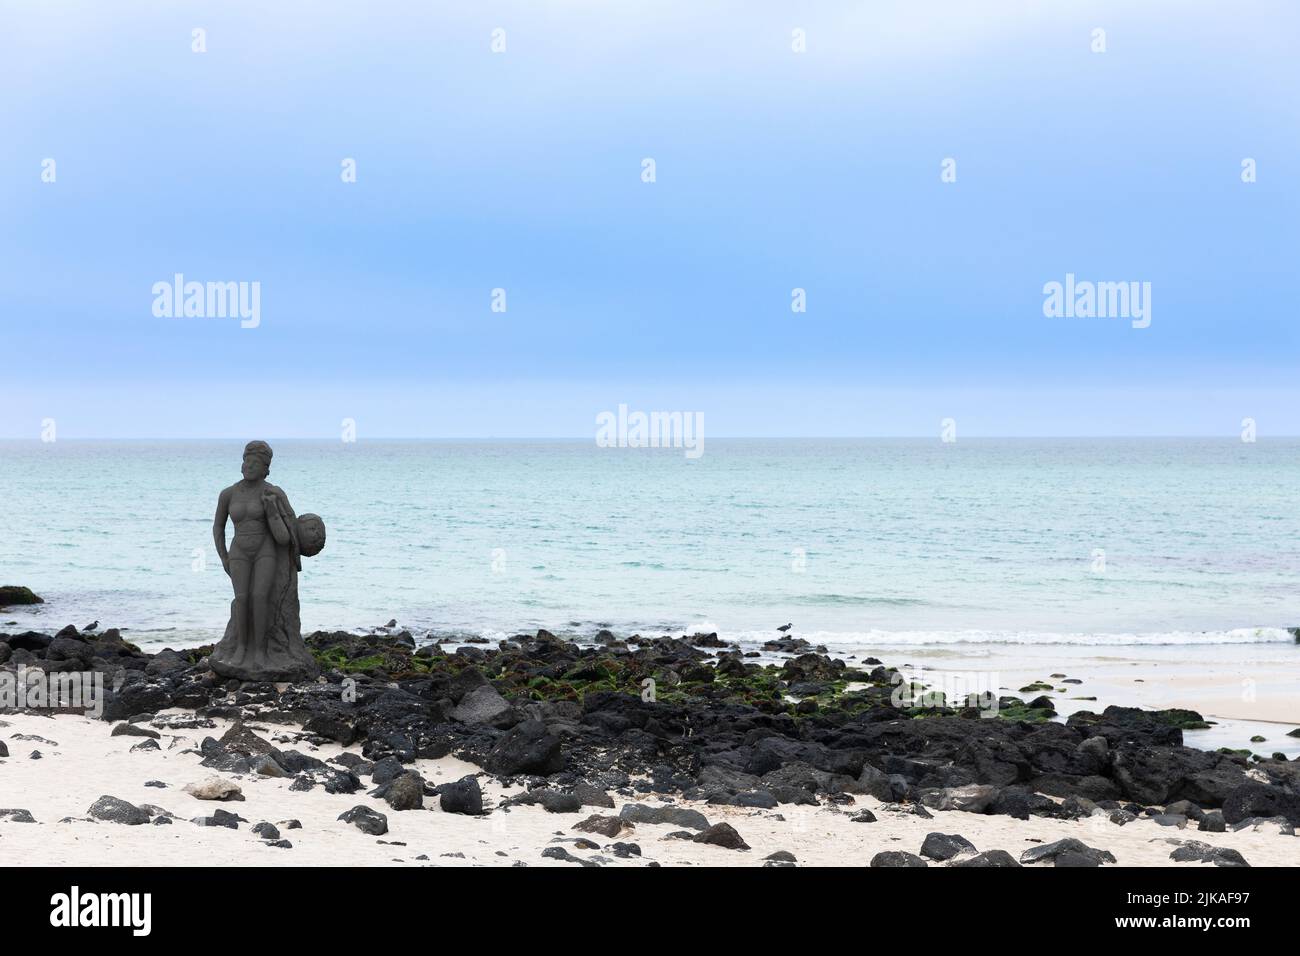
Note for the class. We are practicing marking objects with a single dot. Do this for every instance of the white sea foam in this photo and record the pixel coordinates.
(881, 638)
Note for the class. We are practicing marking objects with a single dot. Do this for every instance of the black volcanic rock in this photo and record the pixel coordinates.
(571, 720)
(1076, 850)
(897, 858)
(723, 835)
(366, 820)
(989, 858)
(462, 796)
(945, 846)
(113, 810)
(13, 594)
(528, 748)
(1258, 800)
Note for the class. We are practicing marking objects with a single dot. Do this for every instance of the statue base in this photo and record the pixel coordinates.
(267, 672)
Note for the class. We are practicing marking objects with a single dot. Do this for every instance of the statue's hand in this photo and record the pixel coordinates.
(225, 564)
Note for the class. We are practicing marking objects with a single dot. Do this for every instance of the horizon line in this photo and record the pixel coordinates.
(589, 438)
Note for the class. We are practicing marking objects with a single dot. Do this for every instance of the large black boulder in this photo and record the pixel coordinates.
(897, 858)
(366, 820)
(989, 858)
(13, 594)
(28, 641)
(403, 793)
(1131, 725)
(70, 647)
(1260, 800)
(671, 815)
(114, 810)
(1075, 850)
(463, 796)
(945, 846)
(1161, 775)
(333, 727)
(136, 696)
(723, 835)
(527, 748)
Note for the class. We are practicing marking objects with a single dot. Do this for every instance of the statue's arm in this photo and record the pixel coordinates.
(276, 502)
(219, 528)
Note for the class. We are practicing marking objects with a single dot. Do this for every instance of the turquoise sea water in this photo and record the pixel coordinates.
(853, 541)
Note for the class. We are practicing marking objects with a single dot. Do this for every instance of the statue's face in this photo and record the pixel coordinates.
(311, 534)
(254, 468)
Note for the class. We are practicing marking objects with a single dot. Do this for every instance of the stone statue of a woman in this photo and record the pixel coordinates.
(263, 640)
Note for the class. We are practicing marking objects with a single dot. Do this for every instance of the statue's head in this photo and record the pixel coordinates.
(257, 460)
(311, 534)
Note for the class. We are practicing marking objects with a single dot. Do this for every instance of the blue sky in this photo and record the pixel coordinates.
(522, 170)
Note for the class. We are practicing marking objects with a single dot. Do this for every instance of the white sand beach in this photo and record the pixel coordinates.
(80, 761)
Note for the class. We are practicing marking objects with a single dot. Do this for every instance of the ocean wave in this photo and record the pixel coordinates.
(859, 600)
(1240, 635)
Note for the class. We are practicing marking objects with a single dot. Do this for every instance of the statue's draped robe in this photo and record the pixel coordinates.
(287, 657)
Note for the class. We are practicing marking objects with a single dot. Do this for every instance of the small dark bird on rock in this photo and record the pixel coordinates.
(785, 628)
(91, 627)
